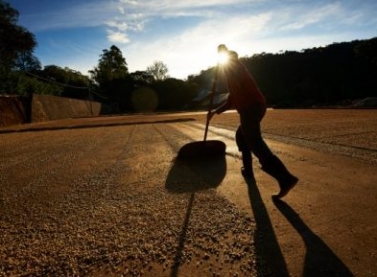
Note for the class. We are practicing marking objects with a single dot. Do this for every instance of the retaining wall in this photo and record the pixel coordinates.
(14, 110)
(17, 110)
(46, 108)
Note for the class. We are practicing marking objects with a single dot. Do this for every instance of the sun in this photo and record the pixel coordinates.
(223, 58)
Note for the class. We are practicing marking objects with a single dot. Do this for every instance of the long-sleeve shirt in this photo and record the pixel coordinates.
(243, 90)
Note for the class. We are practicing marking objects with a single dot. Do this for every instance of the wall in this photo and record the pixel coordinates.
(13, 110)
(16, 109)
(46, 108)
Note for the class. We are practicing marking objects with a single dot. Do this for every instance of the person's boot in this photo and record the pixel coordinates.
(247, 169)
(274, 167)
(286, 185)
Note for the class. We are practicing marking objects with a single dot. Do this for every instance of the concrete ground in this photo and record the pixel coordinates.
(107, 197)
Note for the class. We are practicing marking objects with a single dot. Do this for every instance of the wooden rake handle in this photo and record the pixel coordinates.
(212, 94)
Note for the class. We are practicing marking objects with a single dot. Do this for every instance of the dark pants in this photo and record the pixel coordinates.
(249, 140)
(249, 137)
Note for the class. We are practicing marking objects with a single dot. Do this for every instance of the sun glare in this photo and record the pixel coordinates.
(223, 58)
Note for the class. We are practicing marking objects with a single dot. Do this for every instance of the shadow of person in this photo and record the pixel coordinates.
(270, 260)
(190, 176)
(320, 260)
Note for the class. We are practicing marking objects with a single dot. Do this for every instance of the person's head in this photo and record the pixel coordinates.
(232, 67)
(222, 48)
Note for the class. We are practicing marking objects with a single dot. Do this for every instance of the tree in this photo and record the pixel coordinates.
(141, 78)
(111, 66)
(73, 83)
(368, 49)
(14, 40)
(27, 85)
(112, 79)
(26, 61)
(158, 70)
(321, 76)
(173, 94)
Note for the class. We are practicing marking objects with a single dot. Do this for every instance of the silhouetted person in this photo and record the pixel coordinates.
(246, 98)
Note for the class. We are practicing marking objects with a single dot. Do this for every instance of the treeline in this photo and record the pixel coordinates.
(335, 74)
(110, 82)
(140, 91)
(331, 75)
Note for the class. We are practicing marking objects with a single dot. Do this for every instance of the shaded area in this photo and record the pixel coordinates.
(270, 258)
(320, 260)
(190, 176)
(90, 124)
(182, 238)
(14, 110)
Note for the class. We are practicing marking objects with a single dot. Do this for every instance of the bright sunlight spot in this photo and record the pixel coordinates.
(223, 58)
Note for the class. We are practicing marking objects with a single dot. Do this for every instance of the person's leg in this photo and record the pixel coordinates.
(271, 164)
(247, 161)
(275, 167)
(250, 125)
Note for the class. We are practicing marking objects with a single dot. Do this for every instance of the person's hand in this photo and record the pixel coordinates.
(210, 114)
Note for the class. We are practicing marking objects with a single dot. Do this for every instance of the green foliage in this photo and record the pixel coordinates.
(368, 49)
(16, 48)
(52, 80)
(111, 66)
(140, 91)
(111, 78)
(26, 61)
(120, 91)
(73, 83)
(174, 94)
(27, 85)
(14, 39)
(319, 76)
(203, 80)
(141, 78)
(21, 84)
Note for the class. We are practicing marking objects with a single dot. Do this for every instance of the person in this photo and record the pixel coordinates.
(250, 103)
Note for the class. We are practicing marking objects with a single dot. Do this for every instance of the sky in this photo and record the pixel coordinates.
(184, 34)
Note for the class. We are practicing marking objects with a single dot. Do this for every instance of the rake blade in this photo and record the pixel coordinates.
(202, 150)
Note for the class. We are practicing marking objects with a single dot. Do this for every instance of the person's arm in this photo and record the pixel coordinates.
(228, 104)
